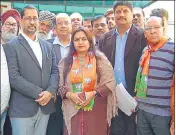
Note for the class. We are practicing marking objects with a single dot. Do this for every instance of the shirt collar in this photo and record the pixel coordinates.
(125, 32)
(30, 40)
(57, 41)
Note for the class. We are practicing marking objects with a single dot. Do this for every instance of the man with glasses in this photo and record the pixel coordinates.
(10, 25)
(155, 81)
(99, 27)
(61, 44)
(33, 77)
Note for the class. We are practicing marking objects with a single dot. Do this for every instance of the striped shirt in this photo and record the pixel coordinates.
(161, 69)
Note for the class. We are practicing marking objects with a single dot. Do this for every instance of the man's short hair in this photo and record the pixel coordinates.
(138, 8)
(28, 7)
(59, 15)
(97, 18)
(76, 14)
(160, 12)
(109, 11)
(123, 3)
(88, 19)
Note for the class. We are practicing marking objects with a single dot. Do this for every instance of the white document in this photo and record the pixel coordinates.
(125, 101)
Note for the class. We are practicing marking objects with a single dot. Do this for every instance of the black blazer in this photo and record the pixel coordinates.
(133, 49)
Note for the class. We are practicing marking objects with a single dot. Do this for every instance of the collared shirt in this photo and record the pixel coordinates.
(63, 48)
(36, 48)
(5, 85)
(119, 69)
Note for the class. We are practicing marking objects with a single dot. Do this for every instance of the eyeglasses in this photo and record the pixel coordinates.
(29, 19)
(98, 25)
(61, 23)
(8, 25)
(147, 29)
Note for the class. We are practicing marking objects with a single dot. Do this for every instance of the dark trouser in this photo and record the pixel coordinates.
(123, 124)
(7, 127)
(150, 124)
(55, 123)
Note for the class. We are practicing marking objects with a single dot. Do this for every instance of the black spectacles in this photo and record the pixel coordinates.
(29, 19)
(150, 28)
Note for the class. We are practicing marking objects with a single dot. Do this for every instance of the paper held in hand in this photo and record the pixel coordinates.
(125, 101)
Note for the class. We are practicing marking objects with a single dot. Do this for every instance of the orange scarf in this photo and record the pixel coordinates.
(146, 56)
(143, 70)
(83, 78)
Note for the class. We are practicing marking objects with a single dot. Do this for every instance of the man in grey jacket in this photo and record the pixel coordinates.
(33, 78)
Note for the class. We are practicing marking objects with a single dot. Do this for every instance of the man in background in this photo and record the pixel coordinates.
(87, 23)
(45, 24)
(138, 17)
(110, 19)
(61, 44)
(76, 20)
(100, 27)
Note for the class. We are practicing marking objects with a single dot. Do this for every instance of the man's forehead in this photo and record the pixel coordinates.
(46, 22)
(100, 20)
(11, 20)
(154, 20)
(63, 18)
(122, 8)
(137, 11)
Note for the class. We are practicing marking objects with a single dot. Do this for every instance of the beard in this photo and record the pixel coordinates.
(8, 35)
(42, 35)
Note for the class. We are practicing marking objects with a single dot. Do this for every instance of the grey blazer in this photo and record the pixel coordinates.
(28, 79)
(56, 49)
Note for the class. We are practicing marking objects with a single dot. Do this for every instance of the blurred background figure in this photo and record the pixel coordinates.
(45, 24)
(10, 25)
(87, 23)
(100, 27)
(138, 17)
(161, 12)
(110, 18)
(76, 20)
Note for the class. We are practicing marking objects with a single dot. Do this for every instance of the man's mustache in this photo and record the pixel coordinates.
(121, 18)
(43, 32)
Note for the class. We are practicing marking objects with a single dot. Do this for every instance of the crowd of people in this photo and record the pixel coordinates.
(59, 72)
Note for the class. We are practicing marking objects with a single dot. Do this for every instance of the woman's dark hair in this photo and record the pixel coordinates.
(68, 60)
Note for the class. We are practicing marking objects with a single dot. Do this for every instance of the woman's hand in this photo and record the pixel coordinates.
(89, 97)
(74, 98)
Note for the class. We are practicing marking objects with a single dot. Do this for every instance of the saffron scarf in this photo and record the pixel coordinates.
(83, 78)
(143, 70)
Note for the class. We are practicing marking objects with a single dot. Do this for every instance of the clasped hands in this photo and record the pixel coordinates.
(81, 98)
(44, 98)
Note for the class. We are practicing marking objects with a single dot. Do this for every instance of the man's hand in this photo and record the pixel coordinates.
(44, 98)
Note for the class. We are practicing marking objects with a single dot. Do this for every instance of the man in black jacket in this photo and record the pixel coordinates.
(123, 47)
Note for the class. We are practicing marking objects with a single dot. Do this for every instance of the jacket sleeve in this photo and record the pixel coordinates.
(17, 82)
(54, 78)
